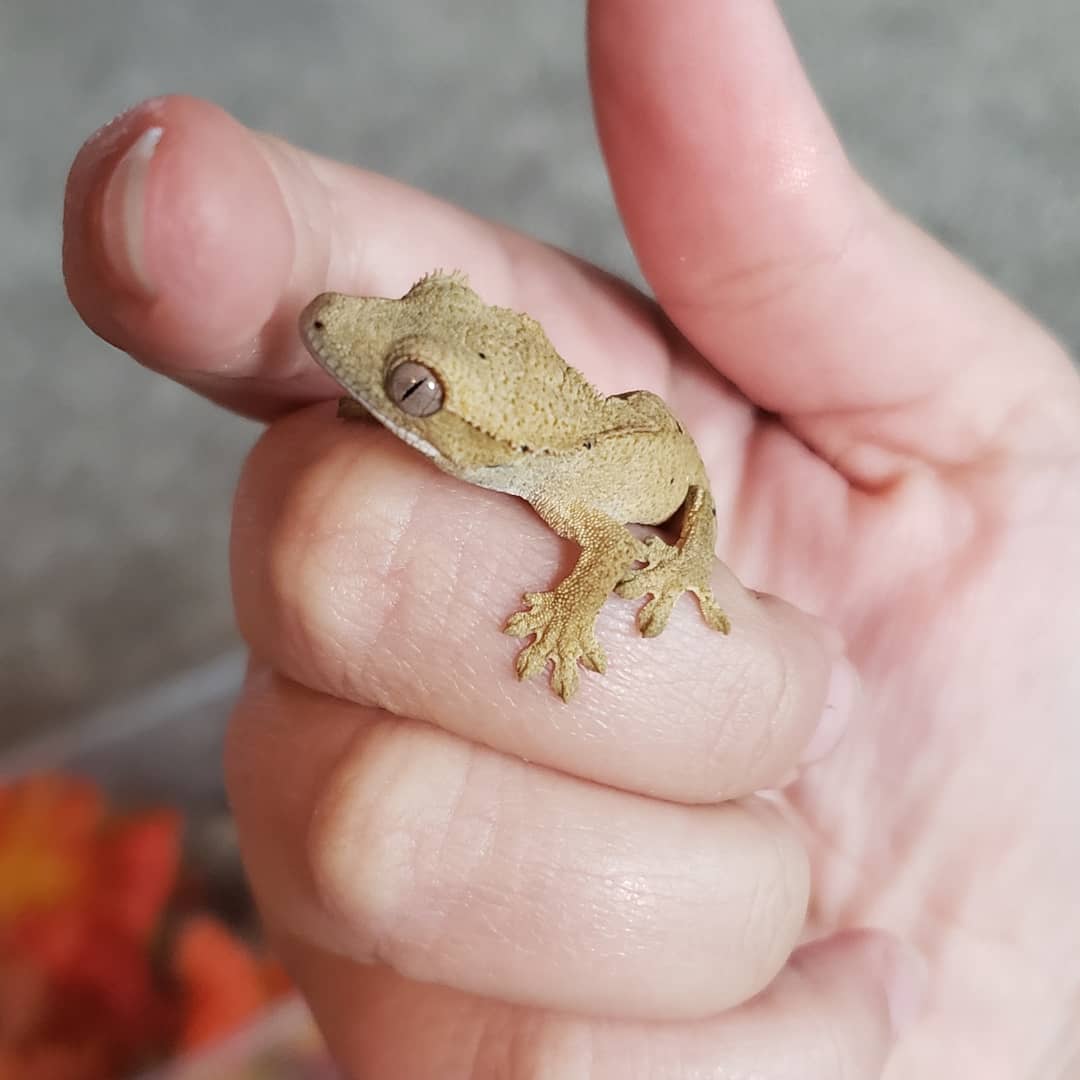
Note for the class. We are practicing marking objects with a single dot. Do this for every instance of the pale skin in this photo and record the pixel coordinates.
(469, 878)
(481, 391)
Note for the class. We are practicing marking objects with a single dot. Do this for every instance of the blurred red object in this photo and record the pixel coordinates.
(99, 975)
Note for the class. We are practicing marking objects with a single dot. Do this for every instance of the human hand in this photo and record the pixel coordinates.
(902, 457)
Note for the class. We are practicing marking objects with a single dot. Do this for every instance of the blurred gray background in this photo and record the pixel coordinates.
(115, 485)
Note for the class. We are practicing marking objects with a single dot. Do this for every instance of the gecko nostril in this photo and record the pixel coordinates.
(318, 324)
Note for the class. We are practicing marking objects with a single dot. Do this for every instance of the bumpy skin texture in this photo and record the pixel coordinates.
(511, 415)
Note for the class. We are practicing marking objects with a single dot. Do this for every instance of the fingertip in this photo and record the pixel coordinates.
(176, 233)
(841, 697)
(713, 94)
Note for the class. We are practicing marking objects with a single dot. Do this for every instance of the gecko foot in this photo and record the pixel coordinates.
(668, 573)
(561, 635)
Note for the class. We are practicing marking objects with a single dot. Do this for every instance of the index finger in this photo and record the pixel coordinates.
(192, 243)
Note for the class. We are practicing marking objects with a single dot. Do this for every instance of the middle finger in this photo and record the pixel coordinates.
(363, 572)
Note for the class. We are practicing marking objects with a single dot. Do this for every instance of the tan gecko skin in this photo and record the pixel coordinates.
(482, 392)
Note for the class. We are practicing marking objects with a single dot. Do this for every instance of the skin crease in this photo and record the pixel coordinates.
(900, 453)
(504, 411)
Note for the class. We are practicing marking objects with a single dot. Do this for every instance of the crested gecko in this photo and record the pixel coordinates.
(481, 391)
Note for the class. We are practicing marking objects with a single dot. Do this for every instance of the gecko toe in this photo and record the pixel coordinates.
(595, 660)
(630, 588)
(518, 625)
(654, 615)
(714, 615)
(531, 661)
(564, 677)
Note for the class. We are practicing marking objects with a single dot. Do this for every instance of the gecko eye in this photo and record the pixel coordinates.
(414, 389)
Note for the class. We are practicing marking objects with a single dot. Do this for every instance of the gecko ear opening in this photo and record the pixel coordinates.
(414, 388)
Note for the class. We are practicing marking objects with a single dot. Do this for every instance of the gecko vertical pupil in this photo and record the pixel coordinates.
(414, 389)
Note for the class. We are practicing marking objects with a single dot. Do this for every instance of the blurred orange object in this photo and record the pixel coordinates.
(220, 982)
(137, 869)
(92, 984)
(48, 828)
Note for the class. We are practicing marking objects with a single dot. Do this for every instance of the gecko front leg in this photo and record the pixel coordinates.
(562, 621)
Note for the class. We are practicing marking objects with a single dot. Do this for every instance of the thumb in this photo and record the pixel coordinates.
(876, 346)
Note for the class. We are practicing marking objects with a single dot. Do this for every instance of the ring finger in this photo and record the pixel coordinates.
(392, 841)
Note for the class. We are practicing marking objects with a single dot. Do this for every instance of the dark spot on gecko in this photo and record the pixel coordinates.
(523, 449)
(482, 355)
(588, 446)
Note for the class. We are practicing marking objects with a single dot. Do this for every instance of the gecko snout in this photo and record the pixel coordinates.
(314, 323)
(311, 318)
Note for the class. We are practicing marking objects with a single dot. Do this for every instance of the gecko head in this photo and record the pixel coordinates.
(417, 363)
